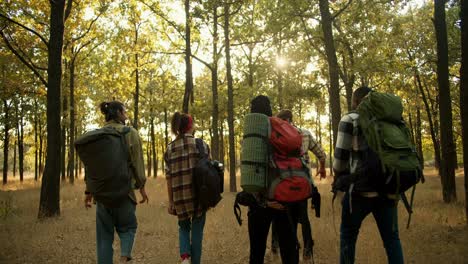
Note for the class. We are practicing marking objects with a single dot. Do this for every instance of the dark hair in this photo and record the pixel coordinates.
(359, 94)
(261, 104)
(111, 109)
(179, 123)
(285, 114)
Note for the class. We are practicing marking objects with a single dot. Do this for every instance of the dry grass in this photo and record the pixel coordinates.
(438, 233)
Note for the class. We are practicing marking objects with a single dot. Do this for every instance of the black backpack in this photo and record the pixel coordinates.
(208, 179)
(105, 154)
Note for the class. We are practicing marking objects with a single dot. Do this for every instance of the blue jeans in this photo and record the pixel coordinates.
(121, 219)
(386, 217)
(192, 244)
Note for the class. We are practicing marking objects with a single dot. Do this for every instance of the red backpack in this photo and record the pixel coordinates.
(291, 178)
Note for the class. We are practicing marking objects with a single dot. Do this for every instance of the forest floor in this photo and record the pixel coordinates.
(438, 231)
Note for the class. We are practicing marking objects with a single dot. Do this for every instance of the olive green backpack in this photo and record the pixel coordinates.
(108, 171)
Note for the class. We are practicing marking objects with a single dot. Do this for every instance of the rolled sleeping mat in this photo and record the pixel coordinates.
(254, 152)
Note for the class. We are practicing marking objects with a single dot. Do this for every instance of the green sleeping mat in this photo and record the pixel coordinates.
(254, 153)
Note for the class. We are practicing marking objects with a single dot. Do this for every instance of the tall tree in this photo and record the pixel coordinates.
(333, 71)
(232, 147)
(447, 170)
(6, 139)
(188, 59)
(49, 204)
(464, 93)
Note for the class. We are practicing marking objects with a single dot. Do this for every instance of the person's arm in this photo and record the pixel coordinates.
(170, 197)
(343, 146)
(136, 157)
(318, 151)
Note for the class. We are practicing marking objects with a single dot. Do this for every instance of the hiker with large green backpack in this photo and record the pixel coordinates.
(264, 191)
(375, 162)
(114, 167)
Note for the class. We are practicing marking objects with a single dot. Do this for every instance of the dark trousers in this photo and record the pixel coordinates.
(385, 214)
(260, 219)
(300, 215)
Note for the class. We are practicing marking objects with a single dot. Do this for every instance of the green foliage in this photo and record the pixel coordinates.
(277, 49)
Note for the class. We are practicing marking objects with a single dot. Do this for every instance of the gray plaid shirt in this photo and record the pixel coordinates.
(350, 143)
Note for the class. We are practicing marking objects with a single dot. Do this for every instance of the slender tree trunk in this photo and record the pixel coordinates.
(36, 141)
(464, 94)
(232, 146)
(137, 92)
(214, 88)
(71, 154)
(15, 147)
(149, 167)
(332, 148)
(154, 150)
(445, 105)
(21, 142)
(430, 118)
(418, 137)
(64, 138)
(222, 151)
(6, 141)
(188, 63)
(166, 129)
(334, 88)
(41, 149)
(49, 204)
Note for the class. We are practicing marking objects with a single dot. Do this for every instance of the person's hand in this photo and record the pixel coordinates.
(88, 200)
(275, 205)
(322, 172)
(144, 196)
(171, 209)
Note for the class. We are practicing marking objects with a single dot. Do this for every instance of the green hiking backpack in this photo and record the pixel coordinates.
(389, 139)
(105, 154)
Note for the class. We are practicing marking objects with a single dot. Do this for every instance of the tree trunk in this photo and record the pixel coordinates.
(232, 147)
(418, 137)
(445, 106)
(41, 149)
(149, 160)
(137, 92)
(49, 204)
(222, 152)
(435, 140)
(21, 142)
(332, 148)
(36, 141)
(71, 154)
(64, 138)
(464, 93)
(166, 129)
(15, 145)
(6, 142)
(214, 88)
(154, 150)
(188, 64)
(334, 88)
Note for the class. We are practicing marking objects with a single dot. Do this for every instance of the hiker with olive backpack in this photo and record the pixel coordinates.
(375, 162)
(114, 167)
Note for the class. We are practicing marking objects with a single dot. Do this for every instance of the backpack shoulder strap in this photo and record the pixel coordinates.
(201, 147)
